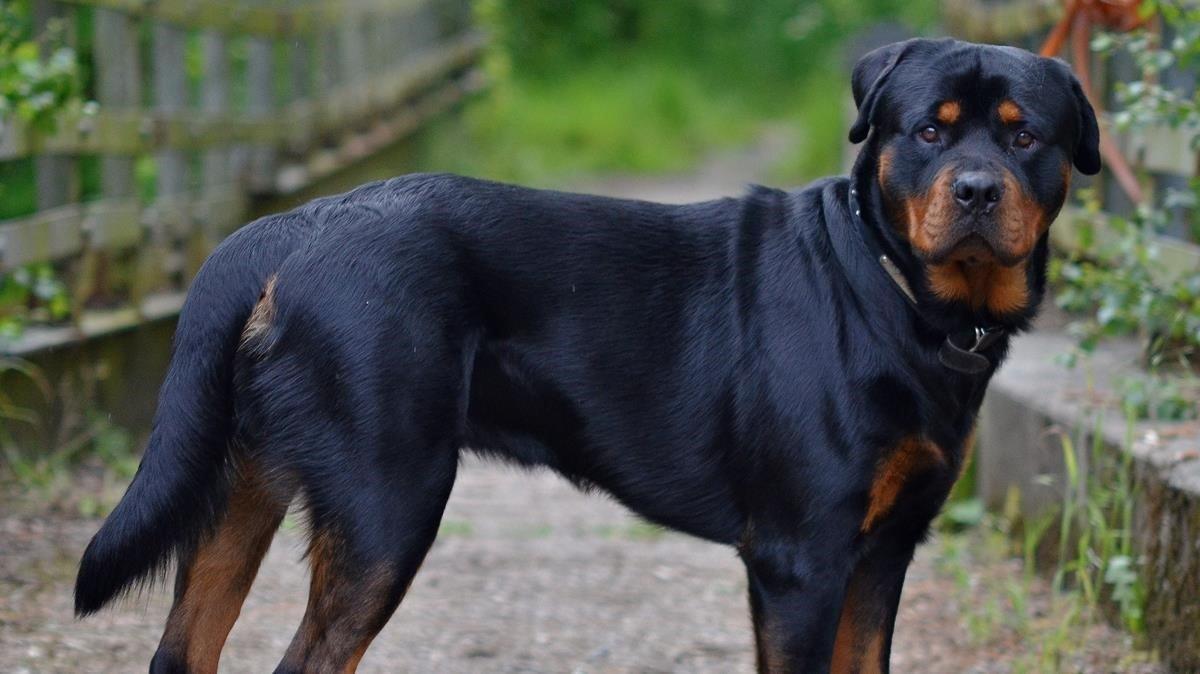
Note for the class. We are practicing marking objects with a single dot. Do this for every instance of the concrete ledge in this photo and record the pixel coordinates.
(1032, 401)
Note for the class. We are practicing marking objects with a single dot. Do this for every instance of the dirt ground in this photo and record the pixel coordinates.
(528, 575)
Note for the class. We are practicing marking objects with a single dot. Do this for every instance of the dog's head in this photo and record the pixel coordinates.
(973, 147)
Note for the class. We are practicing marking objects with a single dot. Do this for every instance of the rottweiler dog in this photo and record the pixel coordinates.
(795, 374)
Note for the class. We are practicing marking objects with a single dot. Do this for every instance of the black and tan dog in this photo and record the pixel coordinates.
(792, 373)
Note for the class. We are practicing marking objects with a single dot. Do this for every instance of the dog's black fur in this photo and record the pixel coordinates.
(743, 369)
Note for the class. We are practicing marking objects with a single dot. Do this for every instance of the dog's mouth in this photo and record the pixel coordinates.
(971, 248)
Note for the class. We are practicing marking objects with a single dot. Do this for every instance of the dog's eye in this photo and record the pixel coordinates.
(929, 134)
(1023, 140)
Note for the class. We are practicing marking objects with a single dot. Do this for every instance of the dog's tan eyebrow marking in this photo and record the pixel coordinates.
(1009, 112)
(948, 112)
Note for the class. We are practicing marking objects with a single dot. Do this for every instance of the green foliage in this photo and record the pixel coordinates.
(1120, 281)
(1148, 102)
(1096, 529)
(1121, 286)
(1159, 398)
(999, 608)
(637, 116)
(31, 292)
(36, 81)
(458, 528)
(18, 194)
(1088, 538)
(963, 514)
(637, 86)
(765, 42)
(33, 86)
(55, 430)
(820, 121)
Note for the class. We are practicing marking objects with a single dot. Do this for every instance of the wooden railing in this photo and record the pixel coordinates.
(237, 99)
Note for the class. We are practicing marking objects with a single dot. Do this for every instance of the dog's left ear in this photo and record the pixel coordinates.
(870, 74)
(1087, 144)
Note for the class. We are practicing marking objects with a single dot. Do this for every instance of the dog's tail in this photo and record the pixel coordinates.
(182, 485)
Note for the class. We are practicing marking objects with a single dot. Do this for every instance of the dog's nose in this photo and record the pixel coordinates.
(978, 191)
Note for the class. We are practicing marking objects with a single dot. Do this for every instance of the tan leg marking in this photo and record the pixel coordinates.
(860, 639)
(344, 613)
(220, 574)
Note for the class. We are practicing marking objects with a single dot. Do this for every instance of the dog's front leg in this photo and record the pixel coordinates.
(796, 593)
(864, 638)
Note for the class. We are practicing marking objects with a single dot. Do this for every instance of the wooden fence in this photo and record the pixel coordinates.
(1167, 157)
(201, 107)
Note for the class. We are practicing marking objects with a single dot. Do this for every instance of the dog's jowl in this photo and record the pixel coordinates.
(792, 373)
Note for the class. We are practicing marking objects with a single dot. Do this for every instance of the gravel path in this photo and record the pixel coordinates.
(528, 575)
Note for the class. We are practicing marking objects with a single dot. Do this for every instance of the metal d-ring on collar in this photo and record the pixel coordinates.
(970, 360)
(967, 359)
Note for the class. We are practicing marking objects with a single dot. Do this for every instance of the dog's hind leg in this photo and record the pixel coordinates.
(363, 561)
(213, 580)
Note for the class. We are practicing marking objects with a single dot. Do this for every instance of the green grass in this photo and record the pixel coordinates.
(1084, 548)
(48, 428)
(1000, 605)
(637, 530)
(458, 528)
(819, 112)
(634, 115)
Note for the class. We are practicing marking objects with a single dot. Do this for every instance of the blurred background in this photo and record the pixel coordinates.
(135, 135)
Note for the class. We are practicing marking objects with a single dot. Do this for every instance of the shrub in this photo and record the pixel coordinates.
(1119, 280)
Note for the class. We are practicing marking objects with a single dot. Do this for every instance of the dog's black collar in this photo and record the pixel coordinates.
(962, 352)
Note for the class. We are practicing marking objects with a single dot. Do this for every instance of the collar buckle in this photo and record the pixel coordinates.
(970, 360)
(984, 338)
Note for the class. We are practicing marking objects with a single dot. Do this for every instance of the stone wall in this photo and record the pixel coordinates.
(1033, 401)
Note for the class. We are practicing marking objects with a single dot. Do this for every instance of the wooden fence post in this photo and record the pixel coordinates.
(328, 69)
(119, 89)
(216, 161)
(57, 175)
(300, 89)
(170, 221)
(260, 102)
(353, 55)
(347, 92)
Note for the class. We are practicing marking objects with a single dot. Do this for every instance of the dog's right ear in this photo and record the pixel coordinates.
(870, 74)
